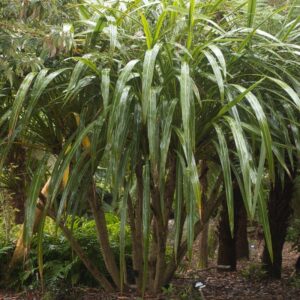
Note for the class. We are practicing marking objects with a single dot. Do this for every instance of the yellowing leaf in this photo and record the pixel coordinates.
(85, 141)
(66, 176)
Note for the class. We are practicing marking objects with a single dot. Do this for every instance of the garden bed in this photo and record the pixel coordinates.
(247, 282)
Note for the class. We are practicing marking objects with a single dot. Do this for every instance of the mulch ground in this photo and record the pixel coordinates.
(247, 282)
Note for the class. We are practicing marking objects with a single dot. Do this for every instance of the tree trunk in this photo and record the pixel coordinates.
(102, 235)
(137, 262)
(233, 247)
(203, 247)
(242, 245)
(203, 237)
(138, 223)
(16, 160)
(227, 250)
(280, 210)
(21, 250)
(160, 222)
(213, 203)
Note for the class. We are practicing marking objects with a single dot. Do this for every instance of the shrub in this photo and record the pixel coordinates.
(62, 268)
(254, 272)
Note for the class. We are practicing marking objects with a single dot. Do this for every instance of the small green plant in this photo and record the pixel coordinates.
(185, 293)
(62, 269)
(294, 281)
(6, 251)
(168, 290)
(212, 241)
(8, 229)
(254, 272)
(293, 234)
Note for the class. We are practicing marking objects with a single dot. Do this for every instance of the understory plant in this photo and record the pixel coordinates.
(158, 93)
(62, 267)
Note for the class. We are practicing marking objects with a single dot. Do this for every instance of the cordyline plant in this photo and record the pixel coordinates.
(161, 91)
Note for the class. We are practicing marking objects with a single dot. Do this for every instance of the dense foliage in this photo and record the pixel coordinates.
(62, 269)
(150, 96)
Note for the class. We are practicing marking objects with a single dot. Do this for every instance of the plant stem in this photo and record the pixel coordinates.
(79, 251)
(102, 234)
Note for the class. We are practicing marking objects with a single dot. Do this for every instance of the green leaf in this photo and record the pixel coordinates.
(190, 206)
(159, 25)
(244, 158)
(32, 198)
(263, 124)
(219, 79)
(84, 13)
(251, 12)
(41, 83)
(98, 28)
(147, 77)
(77, 72)
(18, 102)
(195, 183)
(105, 82)
(288, 90)
(146, 222)
(223, 153)
(280, 156)
(118, 92)
(113, 32)
(77, 173)
(123, 213)
(64, 160)
(165, 142)
(122, 80)
(294, 126)
(5, 117)
(238, 99)
(185, 102)
(258, 179)
(178, 206)
(264, 220)
(89, 63)
(219, 55)
(147, 31)
(153, 132)
(190, 24)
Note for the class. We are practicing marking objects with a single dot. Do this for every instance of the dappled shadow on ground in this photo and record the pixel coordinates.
(247, 282)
